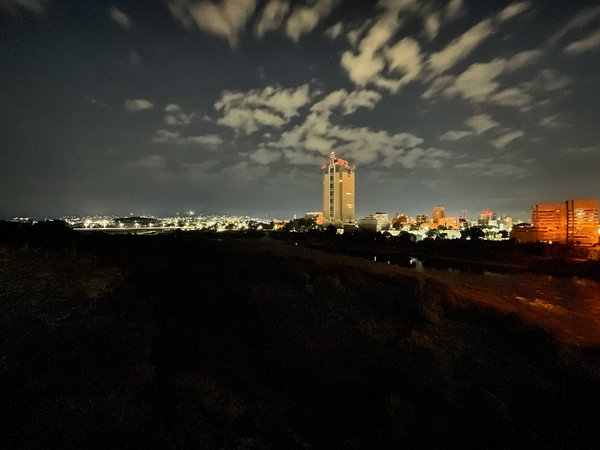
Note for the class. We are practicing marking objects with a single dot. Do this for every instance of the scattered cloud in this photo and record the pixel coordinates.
(177, 116)
(522, 59)
(139, 104)
(14, 6)
(433, 22)
(438, 84)
(581, 19)
(505, 139)
(246, 112)
(465, 44)
(460, 47)
(513, 10)
(479, 82)
(454, 135)
(481, 123)
(224, 18)
(265, 156)
(243, 172)
(580, 151)
(365, 65)
(454, 9)
(310, 141)
(334, 31)
(551, 122)
(120, 17)
(405, 57)
(514, 96)
(155, 166)
(304, 18)
(547, 80)
(200, 172)
(150, 162)
(354, 35)
(491, 168)
(590, 42)
(164, 136)
(348, 102)
(208, 140)
(301, 158)
(273, 15)
(174, 137)
(134, 58)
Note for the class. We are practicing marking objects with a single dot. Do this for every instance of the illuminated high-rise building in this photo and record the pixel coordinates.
(438, 212)
(550, 221)
(338, 192)
(574, 222)
(582, 221)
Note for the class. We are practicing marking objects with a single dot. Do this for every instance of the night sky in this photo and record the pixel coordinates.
(231, 106)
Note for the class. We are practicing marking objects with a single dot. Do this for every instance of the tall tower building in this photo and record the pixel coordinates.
(338, 192)
(582, 221)
(438, 212)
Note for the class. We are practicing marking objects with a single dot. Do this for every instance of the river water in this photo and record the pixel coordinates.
(569, 307)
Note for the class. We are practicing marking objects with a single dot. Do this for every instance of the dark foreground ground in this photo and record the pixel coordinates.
(186, 341)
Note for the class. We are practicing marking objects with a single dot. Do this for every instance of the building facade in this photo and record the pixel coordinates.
(573, 222)
(338, 192)
(450, 222)
(438, 212)
(582, 221)
(550, 221)
(421, 219)
(485, 217)
(317, 216)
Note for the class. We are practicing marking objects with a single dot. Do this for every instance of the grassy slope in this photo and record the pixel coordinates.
(190, 342)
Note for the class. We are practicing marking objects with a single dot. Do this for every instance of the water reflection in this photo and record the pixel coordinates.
(569, 307)
(568, 292)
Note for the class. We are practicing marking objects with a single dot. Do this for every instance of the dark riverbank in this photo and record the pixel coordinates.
(497, 256)
(191, 340)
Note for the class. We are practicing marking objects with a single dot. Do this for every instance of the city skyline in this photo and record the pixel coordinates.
(232, 106)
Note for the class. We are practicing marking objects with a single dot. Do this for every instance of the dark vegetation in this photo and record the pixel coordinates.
(476, 255)
(212, 341)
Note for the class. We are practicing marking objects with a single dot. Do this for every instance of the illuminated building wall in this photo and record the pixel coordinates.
(450, 222)
(550, 221)
(338, 192)
(582, 221)
(421, 219)
(438, 212)
(524, 232)
(317, 216)
(383, 220)
(574, 222)
(485, 217)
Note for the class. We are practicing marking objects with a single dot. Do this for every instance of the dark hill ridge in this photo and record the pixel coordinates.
(193, 341)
